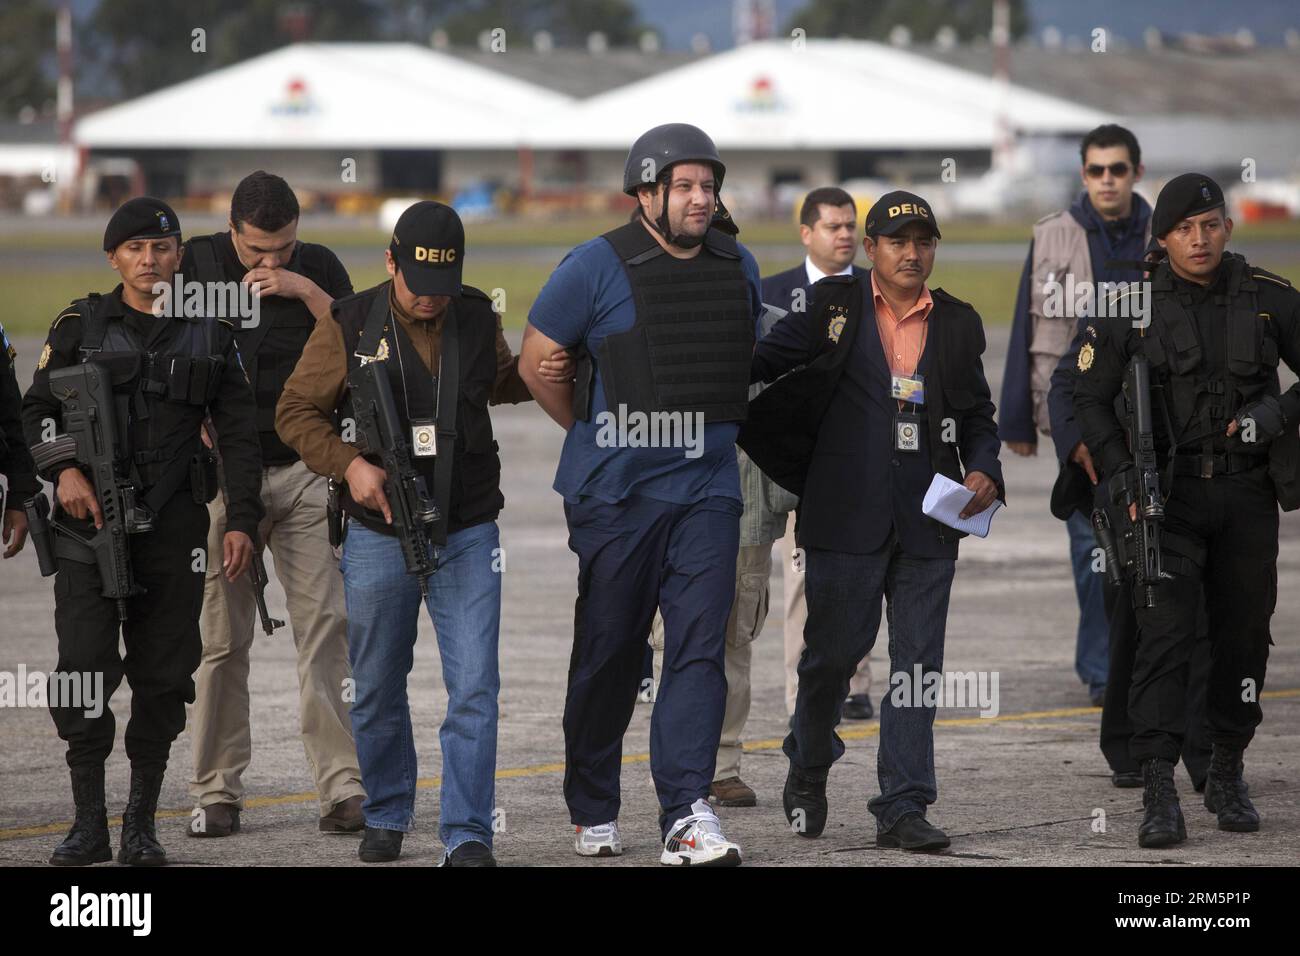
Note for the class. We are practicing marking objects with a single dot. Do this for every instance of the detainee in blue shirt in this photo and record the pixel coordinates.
(663, 312)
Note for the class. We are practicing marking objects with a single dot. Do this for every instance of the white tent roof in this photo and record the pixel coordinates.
(831, 94)
(336, 95)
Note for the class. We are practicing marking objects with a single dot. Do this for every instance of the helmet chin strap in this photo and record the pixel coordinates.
(661, 226)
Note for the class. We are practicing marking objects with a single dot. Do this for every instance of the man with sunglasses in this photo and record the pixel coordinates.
(1070, 252)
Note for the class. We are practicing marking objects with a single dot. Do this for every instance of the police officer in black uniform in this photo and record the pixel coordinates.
(1227, 444)
(15, 460)
(168, 373)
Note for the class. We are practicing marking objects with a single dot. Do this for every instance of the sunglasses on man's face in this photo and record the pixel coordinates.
(1095, 170)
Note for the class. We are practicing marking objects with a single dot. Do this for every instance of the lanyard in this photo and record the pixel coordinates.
(401, 366)
(920, 350)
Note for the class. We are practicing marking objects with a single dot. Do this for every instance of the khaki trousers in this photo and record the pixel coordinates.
(295, 534)
(796, 616)
(748, 612)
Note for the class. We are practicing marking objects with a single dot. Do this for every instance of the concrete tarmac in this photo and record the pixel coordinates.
(1028, 787)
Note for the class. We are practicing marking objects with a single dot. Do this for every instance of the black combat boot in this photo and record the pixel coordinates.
(1226, 793)
(1162, 825)
(140, 846)
(87, 841)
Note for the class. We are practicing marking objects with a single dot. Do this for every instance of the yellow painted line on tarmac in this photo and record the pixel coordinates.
(537, 770)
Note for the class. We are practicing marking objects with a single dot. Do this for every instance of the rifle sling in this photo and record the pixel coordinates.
(448, 386)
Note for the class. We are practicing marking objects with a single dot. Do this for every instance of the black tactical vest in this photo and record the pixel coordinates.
(268, 359)
(161, 396)
(470, 491)
(693, 339)
(1201, 401)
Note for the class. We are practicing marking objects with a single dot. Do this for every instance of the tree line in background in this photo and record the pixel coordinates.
(129, 47)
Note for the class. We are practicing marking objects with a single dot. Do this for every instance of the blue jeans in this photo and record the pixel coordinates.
(844, 594)
(1092, 645)
(464, 604)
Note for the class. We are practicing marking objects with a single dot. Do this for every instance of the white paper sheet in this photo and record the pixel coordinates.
(944, 501)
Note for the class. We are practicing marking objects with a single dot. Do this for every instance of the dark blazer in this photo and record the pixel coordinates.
(825, 431)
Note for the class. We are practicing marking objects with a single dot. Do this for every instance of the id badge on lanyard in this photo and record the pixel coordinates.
(907, 425)
(424, 438)
(907, 432)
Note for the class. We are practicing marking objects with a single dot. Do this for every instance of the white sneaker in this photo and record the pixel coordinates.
(600, 840)
(697, 840)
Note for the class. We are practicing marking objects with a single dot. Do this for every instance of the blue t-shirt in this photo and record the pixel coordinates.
(587, 298)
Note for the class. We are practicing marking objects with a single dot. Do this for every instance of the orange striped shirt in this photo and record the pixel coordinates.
(902, 339)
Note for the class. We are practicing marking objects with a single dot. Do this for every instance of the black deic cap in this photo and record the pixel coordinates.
(429, 246)
(895, 210)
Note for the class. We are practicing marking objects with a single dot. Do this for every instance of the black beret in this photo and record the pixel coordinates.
(141, 218)
(1187, 195)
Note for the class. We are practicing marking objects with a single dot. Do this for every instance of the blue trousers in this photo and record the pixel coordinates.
(1092, 643)
(844, 597)
(634, 556)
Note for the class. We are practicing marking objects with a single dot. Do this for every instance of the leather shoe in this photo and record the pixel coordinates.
(804, 799)
(345, 817)
(470, 853)
(1126, 779)
(857, 707)
(732, 792)
(913, 832)
(214, 820)
(379, 845)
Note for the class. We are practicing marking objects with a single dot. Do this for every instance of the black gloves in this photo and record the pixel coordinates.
(1268, 418)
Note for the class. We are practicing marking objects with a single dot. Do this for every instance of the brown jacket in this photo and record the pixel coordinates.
(304, 413)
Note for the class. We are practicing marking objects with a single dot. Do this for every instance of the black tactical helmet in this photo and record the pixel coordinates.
(665, 145)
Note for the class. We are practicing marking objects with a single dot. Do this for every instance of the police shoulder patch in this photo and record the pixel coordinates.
(44, 360)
